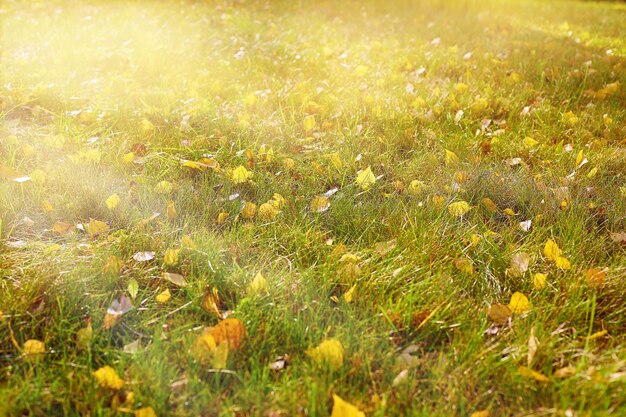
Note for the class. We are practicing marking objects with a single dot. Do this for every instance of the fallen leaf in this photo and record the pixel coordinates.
(95, 227)
(309, 123)
(231, 331)
(211, 303)
(61, 227)
(526, 225)
(562, 263)
(113, 201)
(519, 264)
(539, 280)
(529, 373)
(248, 211)
(489, 205)
(330, 351)
(349, 295)
(343, 408)
(618, 237)
(598, 335)
(464, 265)
(145, 412)
(171, 210)
(143, 256)
(106, 377)
(320, 204)
(459, 208)
(164, 296)
(595, 277)
(551, 250)
(133, 288)
(34, 348)
(176, 279)
(499, 314)
(241, 175)
(366, 178)
(565, 372)
(257, 285)
(84, 336)
(481, 413)
(164, 187)
(519, 303)
(450, 158)
(267, 212)
(171, 257)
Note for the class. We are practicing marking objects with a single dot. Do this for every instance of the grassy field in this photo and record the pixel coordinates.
(244, 208)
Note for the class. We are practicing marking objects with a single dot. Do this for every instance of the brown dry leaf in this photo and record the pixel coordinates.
(500, 314)
(231, 331)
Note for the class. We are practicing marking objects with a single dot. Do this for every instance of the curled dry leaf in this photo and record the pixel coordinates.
(211, 303)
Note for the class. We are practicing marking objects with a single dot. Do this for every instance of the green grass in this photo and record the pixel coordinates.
(81, 83)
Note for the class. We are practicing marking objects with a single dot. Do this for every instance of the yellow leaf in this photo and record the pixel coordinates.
(34, 348)
(459, 208)
(249, 210)
(343, 408)
(451, 158)
(95, 227)
(146, 125)
(289, 163)
(579, 157)
(417, 187)
(164, 187)
(329, 351)
(598, 335)
(592, 173)
(320, 204)
(106, 377)
(570, 118)
(113, 201)
(481, 413)
(231, 331)
(241, 175)
(562, 263)
(539, 280)
(145, 412)
(164, 297)
(551, 250)
(360, 70)
(211, 303)
(61, 227)
(530, 142)
(349, 295)
(46, 206)
(38, 176)
(268, 212)
(171, 210)
(222, 217)
(257, 285)
(128, 158)
(464, 265)
(336, 161)
(509, 212)
(529, 373)
(309, 123)
(519, 303)
(220, 356)
(366, 178)
(171, 257)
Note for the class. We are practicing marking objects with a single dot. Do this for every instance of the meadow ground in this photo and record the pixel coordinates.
(247, 208)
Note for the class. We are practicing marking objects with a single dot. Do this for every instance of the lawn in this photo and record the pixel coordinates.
(312, 208)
